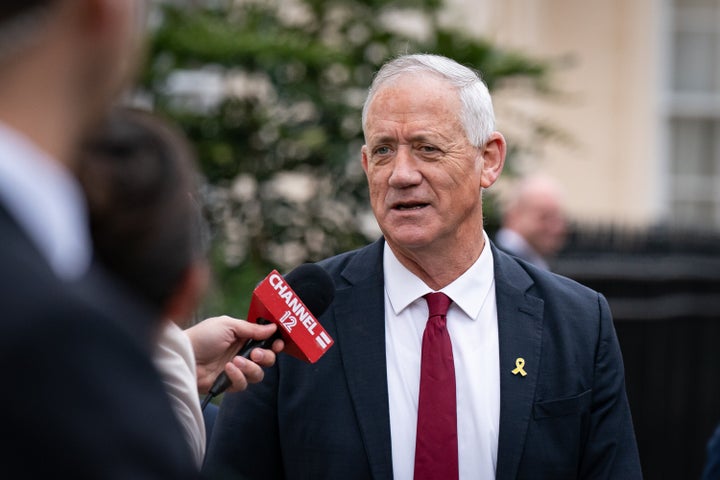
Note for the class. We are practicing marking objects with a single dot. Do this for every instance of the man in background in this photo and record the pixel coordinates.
(533, 222)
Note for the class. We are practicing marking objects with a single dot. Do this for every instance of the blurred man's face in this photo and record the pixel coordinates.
(109, 67)
(132, 16)
(543, 224)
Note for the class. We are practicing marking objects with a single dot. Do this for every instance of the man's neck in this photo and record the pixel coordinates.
(438, 267)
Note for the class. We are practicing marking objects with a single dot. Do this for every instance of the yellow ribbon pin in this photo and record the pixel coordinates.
(519, 364)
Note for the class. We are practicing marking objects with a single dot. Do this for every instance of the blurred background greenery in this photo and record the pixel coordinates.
(270, 93)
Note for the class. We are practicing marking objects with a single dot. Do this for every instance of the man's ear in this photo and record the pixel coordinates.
(188, 294)
(364, 158)
(493, 157)
(96, 15)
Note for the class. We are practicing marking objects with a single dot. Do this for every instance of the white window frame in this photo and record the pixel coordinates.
(678, 105)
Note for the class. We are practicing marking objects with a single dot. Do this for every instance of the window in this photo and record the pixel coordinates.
(694, 114)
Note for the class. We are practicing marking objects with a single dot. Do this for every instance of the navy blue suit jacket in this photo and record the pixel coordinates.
(81, 397)
(568, 418)
(711, 470)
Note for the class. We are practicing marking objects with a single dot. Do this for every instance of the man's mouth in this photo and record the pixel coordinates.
(409, 205)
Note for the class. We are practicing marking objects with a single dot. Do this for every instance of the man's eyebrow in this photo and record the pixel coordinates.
(418, 137)
(424, 137)
(382, 139)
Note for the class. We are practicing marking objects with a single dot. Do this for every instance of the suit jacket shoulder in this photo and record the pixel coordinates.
(355, 265)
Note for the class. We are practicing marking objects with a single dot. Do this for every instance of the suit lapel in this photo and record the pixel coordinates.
(520, 321)
(359, 310)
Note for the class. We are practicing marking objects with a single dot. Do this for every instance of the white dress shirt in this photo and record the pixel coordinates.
(515, 244)
(472, 324)
(47, 202)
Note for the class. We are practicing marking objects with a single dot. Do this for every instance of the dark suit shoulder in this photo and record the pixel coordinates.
(538, 281)
(352, 266)
(80, 383)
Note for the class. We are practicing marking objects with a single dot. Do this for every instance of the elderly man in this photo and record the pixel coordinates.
(518, 373)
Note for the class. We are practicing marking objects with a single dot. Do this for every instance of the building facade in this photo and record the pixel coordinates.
(638, 102)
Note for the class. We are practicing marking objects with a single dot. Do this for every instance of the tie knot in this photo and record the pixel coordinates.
(438, 304)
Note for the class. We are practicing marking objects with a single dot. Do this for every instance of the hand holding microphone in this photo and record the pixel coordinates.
(215, 342)
(293, 303)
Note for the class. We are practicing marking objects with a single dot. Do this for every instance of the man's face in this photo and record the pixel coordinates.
(132, 16)
(543, 224)
(424, 176)
(112, 55)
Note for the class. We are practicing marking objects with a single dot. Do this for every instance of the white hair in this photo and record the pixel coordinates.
(476, 113)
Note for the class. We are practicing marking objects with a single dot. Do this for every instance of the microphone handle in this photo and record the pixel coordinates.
(222, 382)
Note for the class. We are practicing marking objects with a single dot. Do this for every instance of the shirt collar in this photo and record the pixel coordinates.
(47, 202)
(468, 291)
(516, 245)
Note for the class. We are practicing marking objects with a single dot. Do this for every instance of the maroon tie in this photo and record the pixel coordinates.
(436, 447)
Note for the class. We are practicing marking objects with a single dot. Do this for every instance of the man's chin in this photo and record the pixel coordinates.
(409, 239)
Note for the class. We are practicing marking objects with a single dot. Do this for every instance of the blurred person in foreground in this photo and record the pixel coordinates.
(83, 397)
(533, 222)
(539, 381)
(141, 182)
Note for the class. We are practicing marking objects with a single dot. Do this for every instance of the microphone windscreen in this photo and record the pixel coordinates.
(313, 285)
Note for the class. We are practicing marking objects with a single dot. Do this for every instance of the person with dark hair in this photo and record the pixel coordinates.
(142, 185)
(452, 359)
(83, 398)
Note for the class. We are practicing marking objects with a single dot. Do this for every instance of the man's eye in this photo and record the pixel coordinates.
(382, 150)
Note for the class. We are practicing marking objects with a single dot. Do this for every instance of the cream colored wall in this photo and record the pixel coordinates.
(610, 78)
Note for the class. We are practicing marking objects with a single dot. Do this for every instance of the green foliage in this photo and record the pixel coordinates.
(279, 141)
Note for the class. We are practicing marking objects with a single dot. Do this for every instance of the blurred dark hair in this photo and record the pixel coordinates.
(13, 8)
(141, 182)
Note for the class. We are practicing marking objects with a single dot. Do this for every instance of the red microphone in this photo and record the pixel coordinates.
(293, 303)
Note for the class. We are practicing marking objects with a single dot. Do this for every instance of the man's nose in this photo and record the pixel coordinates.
(405, 169)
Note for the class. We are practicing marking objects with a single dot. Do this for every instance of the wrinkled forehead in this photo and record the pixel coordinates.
(414, 79)
(409, 97)
(422, 88)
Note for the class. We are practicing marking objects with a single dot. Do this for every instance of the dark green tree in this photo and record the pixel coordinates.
(270, 94)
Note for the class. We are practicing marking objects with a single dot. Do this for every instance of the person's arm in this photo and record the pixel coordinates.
(216, 342)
